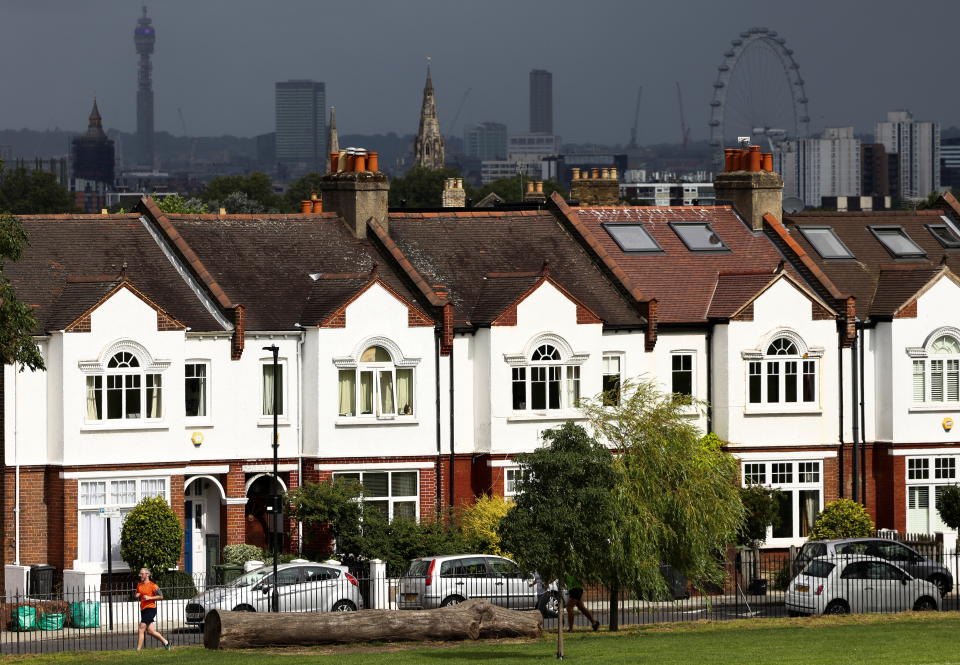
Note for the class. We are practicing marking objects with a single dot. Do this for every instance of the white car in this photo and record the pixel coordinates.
(857, 583)
(303, 586)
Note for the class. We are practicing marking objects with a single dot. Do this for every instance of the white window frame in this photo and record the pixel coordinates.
(390, 499)
(284, 415)
(930, 473)
(930, 364)
(510, 484)
(523, 367)
(96, 377)
(768, 473)
(619, 357)
(397, 361)
(801, 361)
(207, 381)
(143, 486)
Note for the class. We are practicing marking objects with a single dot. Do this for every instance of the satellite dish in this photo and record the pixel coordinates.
(792, 204)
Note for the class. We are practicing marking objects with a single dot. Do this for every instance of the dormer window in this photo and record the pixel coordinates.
(699, 237)
(946, 233)
(632, 237)
(824, 239)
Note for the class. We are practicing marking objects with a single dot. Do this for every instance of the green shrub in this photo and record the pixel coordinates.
(843, 518)
(478, 523)
(151, 536)
(238, 555)
(761, 509)
(948, 505)
(175, 584)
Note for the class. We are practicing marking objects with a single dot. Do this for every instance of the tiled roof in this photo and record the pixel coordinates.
(458, 251)
(860, 276)
(897, 286)
(264, 262)
(736, 290)
(682, 281)
(74, 260)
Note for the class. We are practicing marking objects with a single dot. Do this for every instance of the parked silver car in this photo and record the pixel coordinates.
(302, 586)
(889, 550)
(439, 581)
(857, 583)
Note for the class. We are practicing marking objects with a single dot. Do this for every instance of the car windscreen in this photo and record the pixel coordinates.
(818, 569)
(812, 550)
(418, 568)
(251, 578)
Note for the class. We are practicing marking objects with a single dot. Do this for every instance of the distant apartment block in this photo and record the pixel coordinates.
(918, 147)
(486, 141)
(950, 163)
(668, 193)
(301, 124)
(828, 165)
(496, 169)
(541, 102)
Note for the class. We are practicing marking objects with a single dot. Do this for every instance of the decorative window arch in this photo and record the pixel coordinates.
(376, 381)
(545, 376)
(124, 384)
(783, 371)
(936, 367)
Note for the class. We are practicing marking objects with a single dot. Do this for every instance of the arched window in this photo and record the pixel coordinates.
(785, 375)
(124, 391)
(376, 387)
(937, 378)
(546, 382)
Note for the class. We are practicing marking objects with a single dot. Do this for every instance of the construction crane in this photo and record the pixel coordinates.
(456, 116)
(684, 129)
(636, 121)
(193, 141)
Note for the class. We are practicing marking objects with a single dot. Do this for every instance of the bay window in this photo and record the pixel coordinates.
(120, 494)
(801, 494)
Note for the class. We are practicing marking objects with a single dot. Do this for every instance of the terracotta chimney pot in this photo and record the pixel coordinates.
(613, 172)
(360, 163)
(306, 206)
(767, 164)
(529, 187)
(605, 174)
(333, 161)
(373, 161)
(539, 186)
(755, 158)
(103, 211)
(594, 173)
(576, 173)
(317, 206)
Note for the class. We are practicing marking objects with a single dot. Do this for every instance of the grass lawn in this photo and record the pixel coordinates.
(876, 640)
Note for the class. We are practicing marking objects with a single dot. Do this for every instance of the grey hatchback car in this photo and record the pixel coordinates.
(910, 560)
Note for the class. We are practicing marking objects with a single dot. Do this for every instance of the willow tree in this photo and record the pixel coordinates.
(17, 322)
(677, 498)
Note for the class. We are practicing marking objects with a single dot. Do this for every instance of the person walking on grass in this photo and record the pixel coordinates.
(575, 599)
(148, 593)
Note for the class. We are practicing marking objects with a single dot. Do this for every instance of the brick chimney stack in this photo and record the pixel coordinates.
(595, 187)
(749, 182)
(356, 190)
(454, 195)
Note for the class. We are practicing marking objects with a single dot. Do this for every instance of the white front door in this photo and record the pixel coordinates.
(199, 534)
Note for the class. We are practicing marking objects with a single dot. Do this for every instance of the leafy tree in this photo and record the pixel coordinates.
(300, 190)
(17, 322)
(421, 187)
(479, 522)
(678, 497)
(32, 193)
(329, 504)
(257, 186)
(174, 204)
(151, 536)
(239, 203)
(948, 505)
(842, 518)
(514, 188)
(565, 512)
(761, 510)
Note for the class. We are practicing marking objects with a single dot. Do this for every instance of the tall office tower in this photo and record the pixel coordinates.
(918, 145)
(486, 141)
(301, 125)
(144, 37)
(541, 102)
(827, 165)
(428, 148)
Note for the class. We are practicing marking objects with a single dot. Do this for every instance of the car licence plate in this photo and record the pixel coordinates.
(803, 588)
(410, 597)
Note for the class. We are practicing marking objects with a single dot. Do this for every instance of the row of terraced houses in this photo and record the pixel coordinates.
(419, 352)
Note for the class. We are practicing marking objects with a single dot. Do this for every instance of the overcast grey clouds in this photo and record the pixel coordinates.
(218, 60)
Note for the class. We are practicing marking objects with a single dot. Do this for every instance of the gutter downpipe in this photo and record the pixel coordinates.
(16, 462)
(300, 482)
(840, 470)
(710, 379)
(451, 423)
(855, 420)
(863, 419)
(436, 392)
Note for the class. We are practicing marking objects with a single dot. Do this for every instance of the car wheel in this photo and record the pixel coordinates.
(793, 613)
(925, 604)
(451, 600)
(837, 607)
(244, 608)
(343, 606)
(549, 604)
(941, 583)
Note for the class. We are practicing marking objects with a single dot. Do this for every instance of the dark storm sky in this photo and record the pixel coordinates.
(217, 60)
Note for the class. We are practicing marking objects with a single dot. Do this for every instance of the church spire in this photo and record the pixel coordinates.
(333, 141)
(428, 149)
(95, 124)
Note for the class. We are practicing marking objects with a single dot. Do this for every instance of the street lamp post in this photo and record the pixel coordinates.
(274, 497)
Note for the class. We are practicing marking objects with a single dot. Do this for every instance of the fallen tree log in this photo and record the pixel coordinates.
(471, 620)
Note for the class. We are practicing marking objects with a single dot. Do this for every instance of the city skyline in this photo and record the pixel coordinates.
(217, 63)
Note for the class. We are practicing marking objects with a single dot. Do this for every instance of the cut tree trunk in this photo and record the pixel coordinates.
(472, 619)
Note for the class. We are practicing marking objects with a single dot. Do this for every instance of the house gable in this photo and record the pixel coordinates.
(544, 297)
(379, 292)
(122, 303)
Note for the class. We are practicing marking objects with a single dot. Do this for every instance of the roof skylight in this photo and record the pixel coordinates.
(632, 237)
(826, 242)
(698, 236)
(897, 242)
(946, 233)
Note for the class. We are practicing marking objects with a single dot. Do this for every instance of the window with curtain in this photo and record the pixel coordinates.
(393, 493)
(195, 389)
(376, 388)
(124, 391)
(115, 493)
(801, 494)
(784, 376)
(936, 378)
(272, 383)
